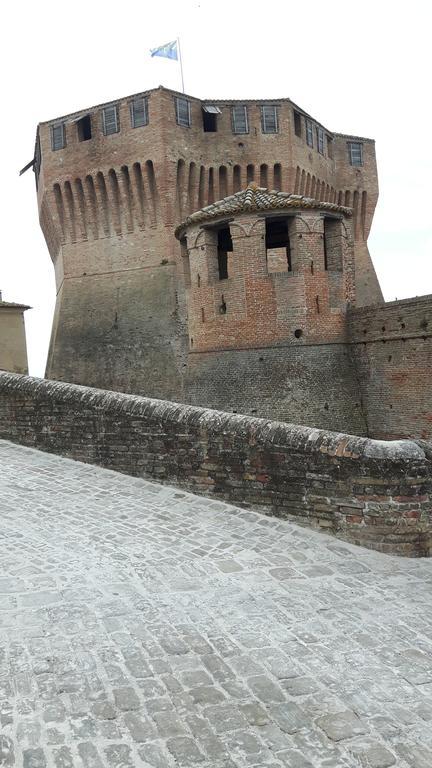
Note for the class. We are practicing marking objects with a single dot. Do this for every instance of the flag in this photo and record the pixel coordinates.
(169, 50)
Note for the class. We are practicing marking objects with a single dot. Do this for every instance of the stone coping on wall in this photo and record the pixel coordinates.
(308, 439)
(371, 492)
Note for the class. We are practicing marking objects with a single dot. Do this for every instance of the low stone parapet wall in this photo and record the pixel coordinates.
(374, 493)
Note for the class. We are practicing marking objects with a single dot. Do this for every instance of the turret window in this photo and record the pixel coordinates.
(355, 151)
(183, 114)
(239, 118)
(297, 123)
(224, 246)
(110, 120)
(58, 136)
(269, 119)
(278, 246)
(139, 112)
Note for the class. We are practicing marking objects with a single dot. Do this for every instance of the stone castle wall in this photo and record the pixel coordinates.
(392, 350)
(371, 493)
(312, 384)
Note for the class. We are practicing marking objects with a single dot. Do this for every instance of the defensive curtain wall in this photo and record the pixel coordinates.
(392, 350)
(373, 493)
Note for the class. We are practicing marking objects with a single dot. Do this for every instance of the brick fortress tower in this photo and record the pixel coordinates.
(266, 331)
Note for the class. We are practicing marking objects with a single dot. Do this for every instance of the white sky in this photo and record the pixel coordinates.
(361, 68)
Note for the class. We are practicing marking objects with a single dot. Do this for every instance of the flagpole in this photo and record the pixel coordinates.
(181, 63)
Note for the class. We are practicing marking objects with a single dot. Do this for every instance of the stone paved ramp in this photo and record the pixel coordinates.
(143, 626)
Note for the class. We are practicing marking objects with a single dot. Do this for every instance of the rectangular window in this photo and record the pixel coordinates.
(209, 114)
(269, 119)
(58, 136)
(239, 118)
(278, 249)
(183, 115)
(139, 112)
(225, 246)
(320, 140)
(309, 133)
(355, 149)
(84, 128)
(330, 147)
(110, 120)
(297, 123)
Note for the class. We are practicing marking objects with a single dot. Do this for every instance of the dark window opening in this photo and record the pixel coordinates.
(84, 128)
(330, 147)
(278, 247)
(298, 333)
(225, 246)
(223, 265)
(209, 122)
(209, 115)
(186, 262)
(297, 123)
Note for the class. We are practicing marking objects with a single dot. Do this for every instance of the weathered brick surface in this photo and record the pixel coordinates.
(372, 493)
(290, 383)
(392, 347)
(262, 309)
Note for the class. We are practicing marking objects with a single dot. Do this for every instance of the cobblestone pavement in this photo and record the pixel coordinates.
(144, 626)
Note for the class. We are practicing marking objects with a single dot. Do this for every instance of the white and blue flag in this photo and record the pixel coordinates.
(169, 50)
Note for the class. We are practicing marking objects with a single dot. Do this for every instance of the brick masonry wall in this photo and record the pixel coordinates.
(392, 352)
(263, 309)
(371, 493)
(123, 331)
(312, 384)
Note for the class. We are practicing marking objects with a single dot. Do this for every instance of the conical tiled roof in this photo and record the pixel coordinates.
(256, 198)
